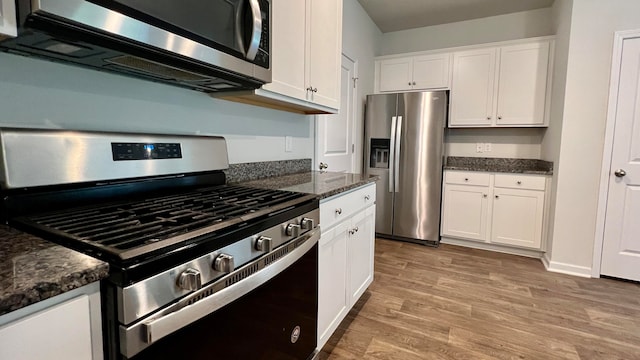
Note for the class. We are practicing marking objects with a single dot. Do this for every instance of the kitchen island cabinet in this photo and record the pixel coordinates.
(7, 19)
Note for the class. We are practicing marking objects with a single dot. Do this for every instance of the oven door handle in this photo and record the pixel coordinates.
(142, 335)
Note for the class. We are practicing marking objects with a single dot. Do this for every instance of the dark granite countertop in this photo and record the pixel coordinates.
(321, 183)
(32, 269)
(505, 165)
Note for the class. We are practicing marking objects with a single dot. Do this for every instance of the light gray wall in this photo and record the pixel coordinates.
(495, 28)
(593, 23)
(42, 94)
(360, 41)
(550, 150)
(505, 143)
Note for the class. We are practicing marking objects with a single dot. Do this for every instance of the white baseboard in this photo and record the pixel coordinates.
(493, 247)
(569, 269)
(546, 261)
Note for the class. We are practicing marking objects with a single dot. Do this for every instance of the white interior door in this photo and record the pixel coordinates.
(335, 138)
(621, 245)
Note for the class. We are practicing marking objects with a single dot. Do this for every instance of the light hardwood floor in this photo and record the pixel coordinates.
(460, 303)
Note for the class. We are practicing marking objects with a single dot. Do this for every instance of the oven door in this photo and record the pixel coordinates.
(271, 314)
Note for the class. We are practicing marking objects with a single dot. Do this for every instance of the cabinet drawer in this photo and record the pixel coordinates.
(520, 181)
(467, 178)
(342, 206)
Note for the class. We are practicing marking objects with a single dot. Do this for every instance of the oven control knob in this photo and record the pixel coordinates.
(223, 263)
(306, 223)
(264, 243)
(190, 280)
(292, 230)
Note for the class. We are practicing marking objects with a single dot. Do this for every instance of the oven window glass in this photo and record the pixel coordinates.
(215, 23)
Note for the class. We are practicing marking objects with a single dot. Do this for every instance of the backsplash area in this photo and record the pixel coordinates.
(259, 170)
(41, 94)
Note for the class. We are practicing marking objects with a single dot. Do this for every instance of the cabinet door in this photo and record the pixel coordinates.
(288, 47)
(60, 332)
(464, 211)
(395, 74)
(332, 280)
(522, 84)
(431, 71)
(324, 51)
(7, 19)
(517, 217)
(472, 89)
(360, 253)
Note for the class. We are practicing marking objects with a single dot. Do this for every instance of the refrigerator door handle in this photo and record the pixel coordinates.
(396, 154)
(392, 150)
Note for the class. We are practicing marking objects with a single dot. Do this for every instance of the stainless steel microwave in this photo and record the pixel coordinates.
(211, 46)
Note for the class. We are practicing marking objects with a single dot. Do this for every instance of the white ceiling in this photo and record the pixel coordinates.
(394, 15)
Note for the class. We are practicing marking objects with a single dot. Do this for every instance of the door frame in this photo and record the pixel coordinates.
(354, 126)
(607, 154)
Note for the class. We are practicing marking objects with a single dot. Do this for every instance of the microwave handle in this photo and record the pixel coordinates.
(256, 30)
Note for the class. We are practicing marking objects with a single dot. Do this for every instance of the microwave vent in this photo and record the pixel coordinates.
(156, 69)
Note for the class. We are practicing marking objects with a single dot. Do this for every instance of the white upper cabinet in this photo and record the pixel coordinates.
(473, 87)
(324, 49)
(288, 38)
(414, 73)
(307, 48)
(502, 86)
(522, 84)
(8, 19)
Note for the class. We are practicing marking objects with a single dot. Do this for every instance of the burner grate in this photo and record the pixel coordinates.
(147, 224)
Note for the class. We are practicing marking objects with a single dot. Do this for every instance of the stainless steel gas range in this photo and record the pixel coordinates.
(197, 267)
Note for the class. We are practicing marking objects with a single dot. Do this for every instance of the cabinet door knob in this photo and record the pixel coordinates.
(339, 211)
(315, 90)
(466, 179)
(409, 83)
(367, 197)
(499, 117)
(519, 182)
(488, 117)
(484, 195)
(497, 197)
(356, 229)
(413, 83)
(309, 88)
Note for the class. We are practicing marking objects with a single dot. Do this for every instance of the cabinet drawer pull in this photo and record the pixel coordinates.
(499, 117)
(367, 197)
(466, 179)
(497, 197)
(339, 211)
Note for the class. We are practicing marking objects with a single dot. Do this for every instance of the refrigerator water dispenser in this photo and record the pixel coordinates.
(379, 157)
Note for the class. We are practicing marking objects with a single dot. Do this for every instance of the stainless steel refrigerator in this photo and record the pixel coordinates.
(404, 146)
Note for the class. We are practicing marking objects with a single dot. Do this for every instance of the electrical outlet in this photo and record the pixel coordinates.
(487, 147)
(479, 148)
(288, 143)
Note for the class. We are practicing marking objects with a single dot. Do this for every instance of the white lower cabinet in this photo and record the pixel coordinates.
(502, 209)
(64, 327)
(517, 217)
(345, 259)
